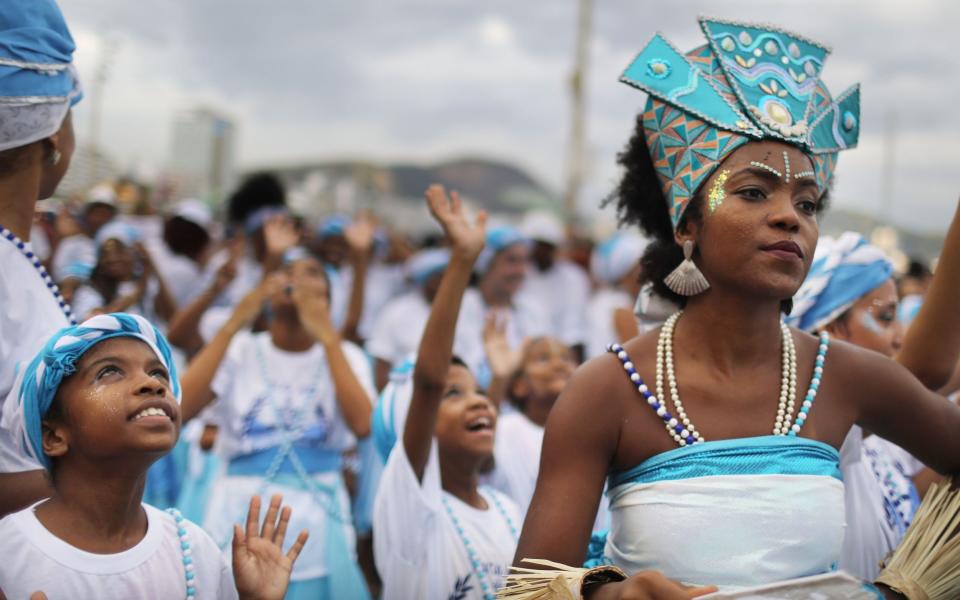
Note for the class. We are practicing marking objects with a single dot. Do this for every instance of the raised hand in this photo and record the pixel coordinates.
(313, 308)
(360, 233)
(279, 234)
(503, 359)
(250, 305)
(261, 571)
(449, 213)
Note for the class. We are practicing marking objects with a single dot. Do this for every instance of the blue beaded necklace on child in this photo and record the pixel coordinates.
(485, 587)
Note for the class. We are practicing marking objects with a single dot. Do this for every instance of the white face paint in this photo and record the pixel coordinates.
(870, 323)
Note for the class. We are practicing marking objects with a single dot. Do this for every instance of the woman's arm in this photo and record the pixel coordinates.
(360, 238)
(436, 345)
(893, 404)
(931, 347)
(195, 382)
(184, 328)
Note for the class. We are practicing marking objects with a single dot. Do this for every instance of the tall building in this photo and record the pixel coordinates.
(203, 155)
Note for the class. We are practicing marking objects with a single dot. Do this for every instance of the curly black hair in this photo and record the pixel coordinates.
(640, 202)
(256, 192)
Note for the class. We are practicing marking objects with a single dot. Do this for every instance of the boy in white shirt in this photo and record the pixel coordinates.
(437, 534)
(97, 406)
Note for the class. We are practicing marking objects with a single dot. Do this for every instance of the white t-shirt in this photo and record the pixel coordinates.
(523, 320)
(399, 327)
(519, 444)
(561, 293)
(384, 283)
(300, 385)
(87, 299)
(417, 548)
(75, 249)
(600, 318)
(29, 315)
(35, 559)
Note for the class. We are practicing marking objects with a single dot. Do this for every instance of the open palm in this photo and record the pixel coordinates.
(449, 213)
(261, 570)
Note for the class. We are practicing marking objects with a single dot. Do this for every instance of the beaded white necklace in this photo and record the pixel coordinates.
(44, 274)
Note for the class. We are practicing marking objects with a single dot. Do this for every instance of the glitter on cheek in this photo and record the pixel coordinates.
(717, 193)
(867, 320)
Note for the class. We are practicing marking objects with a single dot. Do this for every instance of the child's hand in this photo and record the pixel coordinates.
(360, 234)
(261, 571)
(448, 212)
(314, 312)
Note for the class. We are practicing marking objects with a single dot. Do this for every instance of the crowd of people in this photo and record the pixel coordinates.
(424, 413)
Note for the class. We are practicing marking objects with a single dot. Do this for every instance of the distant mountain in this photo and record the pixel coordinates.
(497, 186)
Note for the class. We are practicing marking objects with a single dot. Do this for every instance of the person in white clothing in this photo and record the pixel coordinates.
(438, 534)
(557, 286)
(501, 269)
(289, 402)
(36, 145)
(616, 266)
(97, 406)
(398, 328)
(99, 210)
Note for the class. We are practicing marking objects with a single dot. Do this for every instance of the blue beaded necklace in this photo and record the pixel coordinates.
(187, 553)
(485, 587)
(47, 279)
(671, 422)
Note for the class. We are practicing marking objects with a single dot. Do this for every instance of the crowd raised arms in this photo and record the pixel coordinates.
(719, 397)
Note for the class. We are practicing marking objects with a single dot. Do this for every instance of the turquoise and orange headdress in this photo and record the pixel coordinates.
(749, 82)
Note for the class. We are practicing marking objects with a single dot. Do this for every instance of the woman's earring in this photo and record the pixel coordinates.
(686, 279)
(55, 157)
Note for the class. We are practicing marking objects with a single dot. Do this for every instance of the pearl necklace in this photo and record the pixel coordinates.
(485, 588)
(187, 552)
(47, 279)
(682, 429)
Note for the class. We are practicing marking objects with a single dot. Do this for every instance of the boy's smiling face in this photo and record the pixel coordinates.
(466, 419)
(118, 404)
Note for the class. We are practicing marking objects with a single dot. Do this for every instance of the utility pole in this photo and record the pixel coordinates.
(96, 103)
(576, 154)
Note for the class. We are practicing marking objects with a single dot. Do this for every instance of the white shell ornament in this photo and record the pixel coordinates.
(686, 279)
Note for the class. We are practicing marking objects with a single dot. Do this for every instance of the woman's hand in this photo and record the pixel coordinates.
(648, 585)
(503, 359)
(249, 307)
(464, 238)
(360, 235)
(261, 571)
(313, 308)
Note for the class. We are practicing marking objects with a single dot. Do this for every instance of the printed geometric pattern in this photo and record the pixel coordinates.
(685, 151)
(750, 82)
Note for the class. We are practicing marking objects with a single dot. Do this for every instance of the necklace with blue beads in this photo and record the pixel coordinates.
(485, 586)
(186, 552)
(682, 429)
(44, 274)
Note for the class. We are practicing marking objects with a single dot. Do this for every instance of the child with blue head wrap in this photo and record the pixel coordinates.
(97, 406)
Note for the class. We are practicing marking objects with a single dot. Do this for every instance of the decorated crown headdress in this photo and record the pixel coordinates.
(749, 82)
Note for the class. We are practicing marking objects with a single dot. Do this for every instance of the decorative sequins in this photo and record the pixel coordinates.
(717, 192)
(804, 174)
(767, 167)
(659, 68)
(786, 165)
(849, 121)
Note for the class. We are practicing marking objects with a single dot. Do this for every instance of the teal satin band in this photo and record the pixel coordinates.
(314, 460)
(766, 455)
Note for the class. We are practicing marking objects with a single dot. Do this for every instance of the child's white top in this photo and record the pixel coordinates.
(299, 384)
(600, 319)
(36, 560)
(398, 328)
(418, 550)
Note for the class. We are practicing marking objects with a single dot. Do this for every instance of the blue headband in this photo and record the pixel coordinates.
(498, 239)
(58, 360)
(843, 271)
(425, 264)
(260, 216)
(331, 226)
(615, 257)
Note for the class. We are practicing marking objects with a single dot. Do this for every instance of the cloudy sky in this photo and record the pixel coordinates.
(420, 80)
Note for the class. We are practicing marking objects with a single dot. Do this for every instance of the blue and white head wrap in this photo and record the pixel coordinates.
(257, 218)
(498, 239)
(116, 230)
(38, 83)
(39, 382)
(616, 257)
(425, 264)
(844, 270)
(333, 226)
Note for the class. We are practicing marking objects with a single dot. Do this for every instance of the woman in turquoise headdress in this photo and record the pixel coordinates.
(717, 435)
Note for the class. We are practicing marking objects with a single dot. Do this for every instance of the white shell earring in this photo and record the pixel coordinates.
(686, 279)
(55, 157)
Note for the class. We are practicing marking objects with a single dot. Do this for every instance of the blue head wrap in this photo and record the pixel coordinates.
(425, 264)
(258, 217)
(58, 359)
(498, 239)
(116, 230)
(844, 270)
(615, 257)
(38, 83)
(331, 226)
